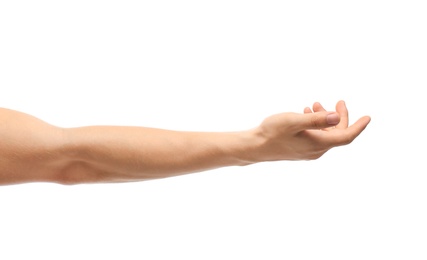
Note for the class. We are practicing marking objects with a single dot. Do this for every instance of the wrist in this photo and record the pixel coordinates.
(247, 150)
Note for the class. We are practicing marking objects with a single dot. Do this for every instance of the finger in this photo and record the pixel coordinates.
(358, 127)
(347, 136)
(317, 120)
(341, 108)
(317, 107)
(307, 110)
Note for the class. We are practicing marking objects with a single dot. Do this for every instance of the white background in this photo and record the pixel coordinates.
(223, 66)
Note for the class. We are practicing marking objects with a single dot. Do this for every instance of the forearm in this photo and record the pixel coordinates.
(35, 151)
(123, 154)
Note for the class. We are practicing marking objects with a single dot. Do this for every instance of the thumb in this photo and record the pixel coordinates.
(318, 120)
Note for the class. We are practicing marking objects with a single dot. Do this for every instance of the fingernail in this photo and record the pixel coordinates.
(333, 119)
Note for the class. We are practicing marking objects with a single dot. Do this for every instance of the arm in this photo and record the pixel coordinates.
(34, 151)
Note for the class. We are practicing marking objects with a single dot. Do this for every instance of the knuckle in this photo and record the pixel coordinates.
(317, 156)
(315, 121)
(347, 139)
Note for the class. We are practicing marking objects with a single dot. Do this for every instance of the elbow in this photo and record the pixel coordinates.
(83, 172)
(77, 172)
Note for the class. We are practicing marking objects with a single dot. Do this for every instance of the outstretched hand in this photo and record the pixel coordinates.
(306, 136)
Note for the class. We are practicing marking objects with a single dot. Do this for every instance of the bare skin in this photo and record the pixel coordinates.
(32, 150)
